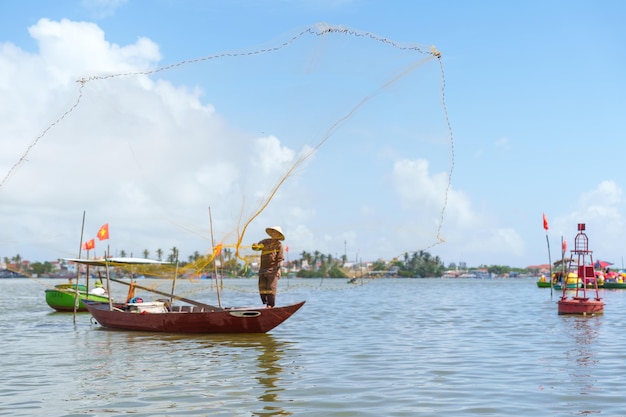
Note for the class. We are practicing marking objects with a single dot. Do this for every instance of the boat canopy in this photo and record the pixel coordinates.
(117, 261)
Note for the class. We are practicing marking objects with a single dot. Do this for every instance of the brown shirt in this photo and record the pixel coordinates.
(271, 257)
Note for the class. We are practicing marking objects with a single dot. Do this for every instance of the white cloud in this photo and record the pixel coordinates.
(467, 233)
(502, 142)
(601, 211)
(150, 157)
(133, 151)
(102, 8)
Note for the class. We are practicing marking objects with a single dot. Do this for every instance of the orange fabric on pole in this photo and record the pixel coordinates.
(103, 233)
(90, 244)
(545, 221)
(217, 250)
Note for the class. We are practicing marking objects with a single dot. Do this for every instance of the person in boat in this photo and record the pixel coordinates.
(271, 262)
(98, 289)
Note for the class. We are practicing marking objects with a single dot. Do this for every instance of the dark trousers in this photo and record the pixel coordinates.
(268, 283)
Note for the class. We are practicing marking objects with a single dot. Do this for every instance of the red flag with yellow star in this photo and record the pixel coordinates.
(103, 233)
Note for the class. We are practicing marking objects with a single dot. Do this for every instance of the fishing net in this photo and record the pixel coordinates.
(277, 133)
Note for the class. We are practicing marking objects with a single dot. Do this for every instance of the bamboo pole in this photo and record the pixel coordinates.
(106, 266)
(550, 261)
(174, 283)
(219, 302)
(80, 247)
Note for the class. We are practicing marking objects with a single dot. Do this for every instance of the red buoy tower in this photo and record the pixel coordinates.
(579, 300)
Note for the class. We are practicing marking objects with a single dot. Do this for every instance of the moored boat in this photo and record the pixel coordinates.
(571, 282)
(63, 297)
(613, 285)
(542, 282)
(614, 281)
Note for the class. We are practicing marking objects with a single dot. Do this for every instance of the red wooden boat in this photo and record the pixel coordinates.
(162, 316)
(583, 300)
(158, 317)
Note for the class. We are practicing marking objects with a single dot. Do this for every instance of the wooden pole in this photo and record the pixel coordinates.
(550, 261)
(219, 302)
(80, 247)
(174, 283)
(106, 266)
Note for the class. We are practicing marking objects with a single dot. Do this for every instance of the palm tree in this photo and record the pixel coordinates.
(316, 257)
(146, 253)
(306, 256)
(18, 262)
(159, 254)
(173, 255)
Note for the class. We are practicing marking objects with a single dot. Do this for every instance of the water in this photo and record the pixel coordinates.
(391, 347)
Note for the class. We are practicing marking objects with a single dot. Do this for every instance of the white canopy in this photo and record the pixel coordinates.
(117, 261)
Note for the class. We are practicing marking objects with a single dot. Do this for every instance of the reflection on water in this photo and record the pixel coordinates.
(581, 351)
(183, 357)
(583, 332)
(269, 377)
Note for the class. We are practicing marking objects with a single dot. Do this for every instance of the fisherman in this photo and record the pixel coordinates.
(271, 262)
(99, 289)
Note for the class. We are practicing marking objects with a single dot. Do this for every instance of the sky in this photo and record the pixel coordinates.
(365, 129)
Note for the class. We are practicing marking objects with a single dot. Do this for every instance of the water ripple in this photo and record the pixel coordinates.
(388, 348)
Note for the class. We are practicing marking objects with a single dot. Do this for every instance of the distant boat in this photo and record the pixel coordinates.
(163, 316)
(63, 297)
(7, 273)
(572, 281)
(542, 282)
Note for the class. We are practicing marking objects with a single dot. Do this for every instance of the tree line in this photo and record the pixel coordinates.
(310, 264)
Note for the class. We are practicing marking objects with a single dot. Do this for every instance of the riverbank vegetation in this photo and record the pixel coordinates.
(309, 265)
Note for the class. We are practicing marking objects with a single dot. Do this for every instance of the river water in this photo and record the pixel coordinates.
(388, 347)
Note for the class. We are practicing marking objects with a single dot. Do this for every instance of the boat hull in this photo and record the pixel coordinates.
(62, 297)
(614, 285)
(191, 319)
(569, 286)
(580, 305)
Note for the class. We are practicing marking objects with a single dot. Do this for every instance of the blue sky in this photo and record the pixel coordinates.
(534, 94)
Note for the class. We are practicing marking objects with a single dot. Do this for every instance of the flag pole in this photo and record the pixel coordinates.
(563, 250)
(545, 226)
(550, 261)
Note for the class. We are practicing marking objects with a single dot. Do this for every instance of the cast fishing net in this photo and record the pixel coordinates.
(278, 133)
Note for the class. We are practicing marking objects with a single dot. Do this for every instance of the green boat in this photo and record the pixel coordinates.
(614, 285)
(63, 296)
(543, 282)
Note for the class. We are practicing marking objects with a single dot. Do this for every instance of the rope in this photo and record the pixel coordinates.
(317, 30)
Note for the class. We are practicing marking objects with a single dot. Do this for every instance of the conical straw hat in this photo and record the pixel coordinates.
(276, 229)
